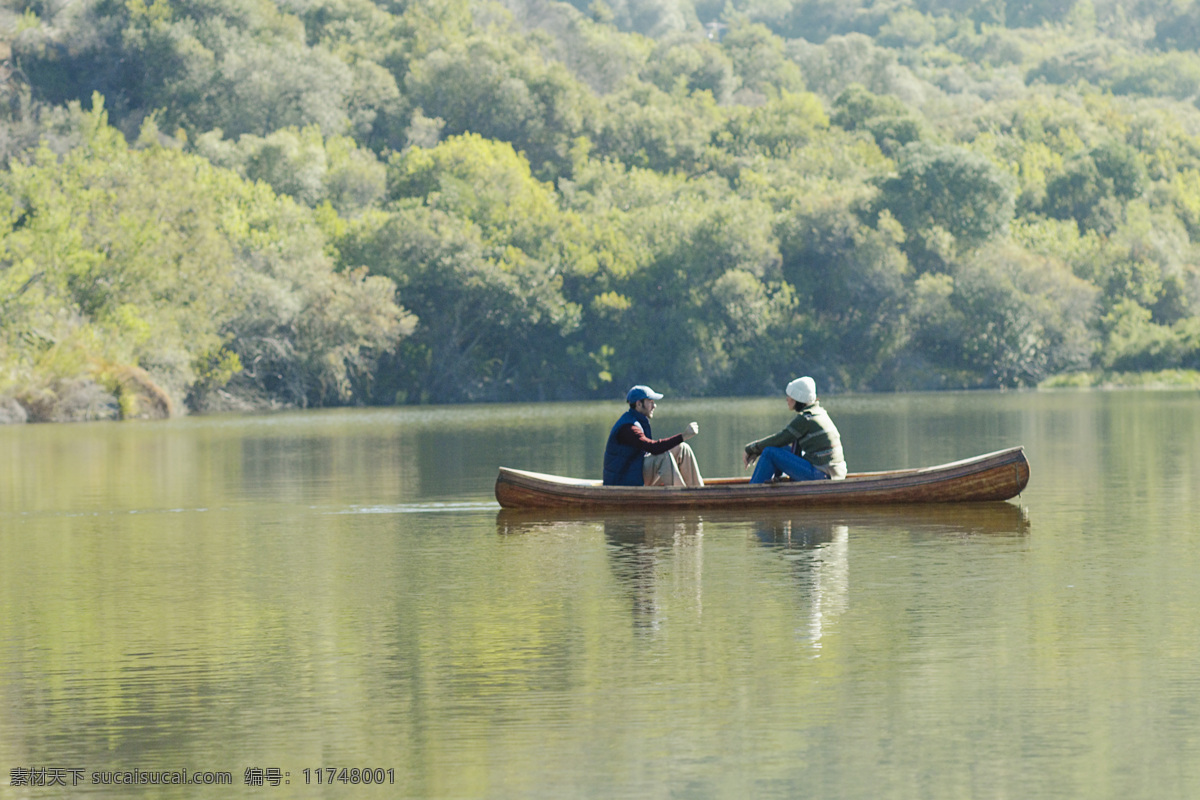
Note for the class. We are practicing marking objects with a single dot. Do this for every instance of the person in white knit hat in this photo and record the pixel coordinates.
(809, 448)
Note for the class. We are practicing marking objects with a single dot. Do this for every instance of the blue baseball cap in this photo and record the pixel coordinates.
(640, 392)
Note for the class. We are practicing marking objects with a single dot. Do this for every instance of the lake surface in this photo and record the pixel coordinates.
(261, 596)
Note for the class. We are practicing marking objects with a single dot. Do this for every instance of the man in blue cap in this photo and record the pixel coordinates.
(633, 458)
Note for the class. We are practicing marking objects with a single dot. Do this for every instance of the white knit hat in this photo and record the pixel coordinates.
(802, 390)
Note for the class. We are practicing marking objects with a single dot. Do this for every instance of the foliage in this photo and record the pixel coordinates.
(646, 127)
(760, 61)
(687, 64)
(243, 203)
(490, 86)
(888, 121)
(489, 317)
(149, 271)
(1003, 318)
(1093, 187)
(853, 279)
(940, 189)
(304, 165)
(240, 67)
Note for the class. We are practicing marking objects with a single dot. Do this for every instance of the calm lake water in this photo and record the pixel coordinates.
(261, 596)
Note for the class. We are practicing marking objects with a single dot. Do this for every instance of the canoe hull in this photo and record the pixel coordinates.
(995, 476)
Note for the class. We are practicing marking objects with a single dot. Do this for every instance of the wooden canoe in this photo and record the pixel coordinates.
(990, 477)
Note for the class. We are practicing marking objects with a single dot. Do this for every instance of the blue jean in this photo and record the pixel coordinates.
(775, 460)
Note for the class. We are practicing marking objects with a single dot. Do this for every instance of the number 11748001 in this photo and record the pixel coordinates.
(350, 775)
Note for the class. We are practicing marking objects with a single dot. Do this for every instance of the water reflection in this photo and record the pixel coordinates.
(817, 550)
(816, 544)
(815, 527)
(637, 543)
(641, 548)
(782, 527)
(652, 553)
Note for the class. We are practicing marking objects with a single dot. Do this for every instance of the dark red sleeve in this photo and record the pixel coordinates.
(632, 435)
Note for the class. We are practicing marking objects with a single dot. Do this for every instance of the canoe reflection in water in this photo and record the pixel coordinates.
(661, 554)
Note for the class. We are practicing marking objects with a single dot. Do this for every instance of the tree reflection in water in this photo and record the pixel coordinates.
(647, 549)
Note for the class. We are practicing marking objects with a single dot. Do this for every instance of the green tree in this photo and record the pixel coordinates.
(689, 65)
(304, 165)
(1179, 29)
(490, 320)
(154, 277)
(645, 127)
(242, 67)
(1094, 187)
(1003, 318)
(850, 281)
(479, 250)
(487, 85)
(760, 61)
(782, 127)
(1134, 342)
(701, 258)
(939, 187)
(649, 17)
(890, 123)
(485, 182)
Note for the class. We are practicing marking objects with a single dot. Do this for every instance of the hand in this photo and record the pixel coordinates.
(747, 459)
(691, 430)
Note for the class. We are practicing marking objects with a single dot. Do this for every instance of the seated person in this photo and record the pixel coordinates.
(633, 458)
(808, 449)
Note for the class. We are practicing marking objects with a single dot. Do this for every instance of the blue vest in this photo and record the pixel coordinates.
(623, 463)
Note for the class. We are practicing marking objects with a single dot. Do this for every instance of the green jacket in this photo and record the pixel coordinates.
(812, 435)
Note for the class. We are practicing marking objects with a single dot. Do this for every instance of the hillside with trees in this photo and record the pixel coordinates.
(215, 205)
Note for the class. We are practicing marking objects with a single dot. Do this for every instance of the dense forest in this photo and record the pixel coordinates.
(241, 204)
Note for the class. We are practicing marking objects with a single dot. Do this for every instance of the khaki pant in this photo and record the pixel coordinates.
(676, 467)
